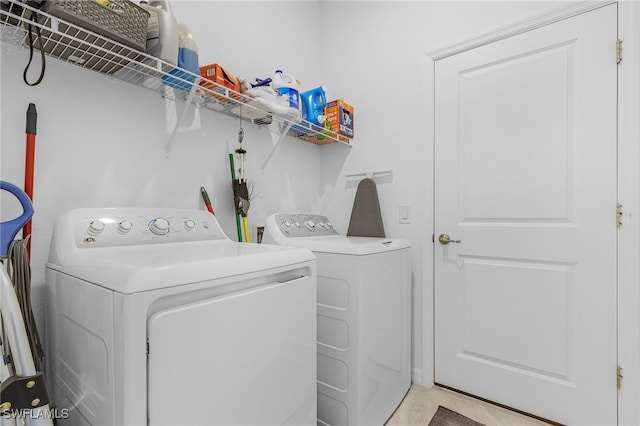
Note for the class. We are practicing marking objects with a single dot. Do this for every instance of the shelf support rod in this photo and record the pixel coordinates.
(283, 133)
(172, 138)
(370, 174)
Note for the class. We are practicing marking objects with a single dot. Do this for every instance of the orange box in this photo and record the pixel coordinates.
(340, 117)
(218, 75)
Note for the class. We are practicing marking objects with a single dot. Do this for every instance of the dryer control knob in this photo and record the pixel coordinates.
(159, 226)
(125, 226)
(95, 227)
(309, 224)
(189, 225)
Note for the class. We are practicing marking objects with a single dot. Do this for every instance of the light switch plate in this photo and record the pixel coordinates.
(404, 214)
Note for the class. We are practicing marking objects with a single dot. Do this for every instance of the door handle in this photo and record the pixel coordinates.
(445, 239)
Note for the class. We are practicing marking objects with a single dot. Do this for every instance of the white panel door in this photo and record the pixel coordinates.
(525, 172)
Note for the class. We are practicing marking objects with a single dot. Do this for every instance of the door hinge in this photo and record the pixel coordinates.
(619, 215)
(618, 51)
(619, 377)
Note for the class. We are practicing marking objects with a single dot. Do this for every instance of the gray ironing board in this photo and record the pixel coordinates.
(366, 219)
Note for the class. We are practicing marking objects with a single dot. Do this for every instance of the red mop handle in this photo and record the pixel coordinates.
(29, 166)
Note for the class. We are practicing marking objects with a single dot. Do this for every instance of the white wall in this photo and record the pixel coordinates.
(100, 142)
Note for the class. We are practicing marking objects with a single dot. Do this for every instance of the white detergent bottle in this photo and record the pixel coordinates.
(287, 86)
(187, 61)
(162, 31)
(187, 50)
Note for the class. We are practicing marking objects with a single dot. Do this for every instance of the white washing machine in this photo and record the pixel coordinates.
(157, 318)
(364, 318)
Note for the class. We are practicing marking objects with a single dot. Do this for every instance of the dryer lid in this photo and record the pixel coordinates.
(317, 233)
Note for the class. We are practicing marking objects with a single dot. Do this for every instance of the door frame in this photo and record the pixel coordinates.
(628, 191)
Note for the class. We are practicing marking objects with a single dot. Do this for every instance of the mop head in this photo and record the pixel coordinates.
(241, 197)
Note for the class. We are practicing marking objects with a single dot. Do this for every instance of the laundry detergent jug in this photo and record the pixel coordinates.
(313, 103)
(287, 85)
(162, 31)
(187, 60)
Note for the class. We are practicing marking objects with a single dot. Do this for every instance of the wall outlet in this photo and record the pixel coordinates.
(404, 215)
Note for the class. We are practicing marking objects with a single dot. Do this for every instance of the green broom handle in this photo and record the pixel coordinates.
(233, 177)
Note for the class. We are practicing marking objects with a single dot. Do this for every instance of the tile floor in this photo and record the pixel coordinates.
(421, 403)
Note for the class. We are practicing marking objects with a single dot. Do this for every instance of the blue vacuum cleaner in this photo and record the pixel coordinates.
(24, 392)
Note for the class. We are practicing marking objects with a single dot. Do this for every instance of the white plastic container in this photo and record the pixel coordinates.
(187, 50)
(187, 61)
(162, 31)
(287, 85)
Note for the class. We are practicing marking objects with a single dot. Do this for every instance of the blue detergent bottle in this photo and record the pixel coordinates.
(313, 102)
(187, 60)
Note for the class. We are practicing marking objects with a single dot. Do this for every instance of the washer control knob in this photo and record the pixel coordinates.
(285, 225)
(159, 226)
(309, 224)
(125, 226)
(96, 227)
(189, 225)
(329, 225)
(321, 225)
(296, 225)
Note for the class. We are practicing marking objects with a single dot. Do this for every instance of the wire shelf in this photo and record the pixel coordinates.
(81, 47)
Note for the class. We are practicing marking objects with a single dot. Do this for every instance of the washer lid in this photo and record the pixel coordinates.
(130, 250)
(135, 269)
(356, 246)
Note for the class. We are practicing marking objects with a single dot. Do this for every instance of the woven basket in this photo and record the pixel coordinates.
(119, 20)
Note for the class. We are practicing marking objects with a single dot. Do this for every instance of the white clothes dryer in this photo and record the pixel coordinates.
(364, 318)
(155, 317)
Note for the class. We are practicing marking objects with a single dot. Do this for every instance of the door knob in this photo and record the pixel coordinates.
(445, 239)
